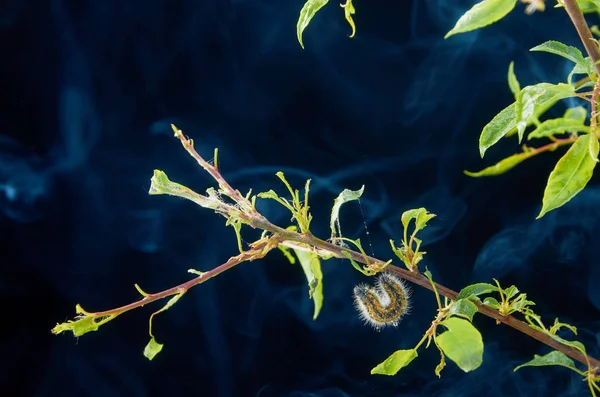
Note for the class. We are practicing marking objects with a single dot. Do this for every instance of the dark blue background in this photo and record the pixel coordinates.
(88, 91)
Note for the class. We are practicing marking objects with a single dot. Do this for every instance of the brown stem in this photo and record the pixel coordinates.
(584, 32)
(279, 235)
(259, 250)
(421, 280)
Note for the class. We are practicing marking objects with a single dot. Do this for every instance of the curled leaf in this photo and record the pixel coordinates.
(513, 83)
(311, 265)
(348, 12)
(344, 197)
(306, 15)
(152, 349)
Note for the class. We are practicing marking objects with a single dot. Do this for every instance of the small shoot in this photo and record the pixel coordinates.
(300, 210)
(371, 268)
(409, 253)
(513, 83)
(507, 305)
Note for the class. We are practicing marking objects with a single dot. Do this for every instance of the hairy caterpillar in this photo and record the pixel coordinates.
(384, 304)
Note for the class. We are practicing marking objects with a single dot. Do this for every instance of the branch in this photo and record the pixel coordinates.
(243, 211)
(421, 280)
(583, 30)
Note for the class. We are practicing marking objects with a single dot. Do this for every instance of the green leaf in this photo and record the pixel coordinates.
(583, 65)
(482, 14)
(464, 308)
(556, 47)
(503, 165)
(306, 14)
(553, 358)
(535, 97)
(586, 68)
(593, 147)
(476, 290)
(573, 343)
(511, 291)
(513, 83)
(462, 343)
(420, 215)
(311, 265)
(152, 349)
(342, 198)
(552, 127)
(394, 363)
(491, 302)
(578, 113)
(570, 175)
(503, 123)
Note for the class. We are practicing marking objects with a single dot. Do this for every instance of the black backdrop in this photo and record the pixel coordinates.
(88, 91)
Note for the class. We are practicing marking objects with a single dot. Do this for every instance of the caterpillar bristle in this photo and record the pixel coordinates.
(385, 303)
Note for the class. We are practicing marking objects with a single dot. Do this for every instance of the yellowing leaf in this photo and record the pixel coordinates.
(503, 165)
(394, 363)
(306, 14)
(152, 349)
(348, 12)
(482, 14)
(570, 175)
